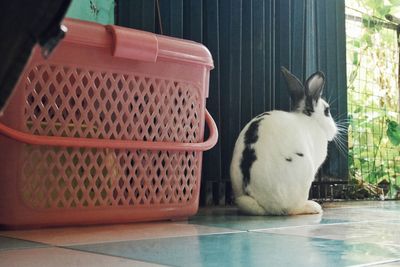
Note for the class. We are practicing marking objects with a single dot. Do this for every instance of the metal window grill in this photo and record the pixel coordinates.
(373, 103)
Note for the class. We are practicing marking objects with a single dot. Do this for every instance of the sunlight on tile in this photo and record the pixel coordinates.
(113, 233)
(246, 249)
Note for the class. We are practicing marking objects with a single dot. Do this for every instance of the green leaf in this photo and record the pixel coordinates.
(366, 38)
(371, 177)
(355, 58)
(371, 23)
(380, 172)
(397, 168)
(356, 43)
(384, 10)
(353, 76)
(393, 132)
(373, 4)
(358, 109)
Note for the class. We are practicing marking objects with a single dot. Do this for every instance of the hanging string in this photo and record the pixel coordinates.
(159, 16)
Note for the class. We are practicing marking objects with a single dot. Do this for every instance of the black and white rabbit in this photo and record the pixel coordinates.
(278, 153)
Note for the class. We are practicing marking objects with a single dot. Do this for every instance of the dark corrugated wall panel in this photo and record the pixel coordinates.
(139, 14)
(250, 40)
(331, 53)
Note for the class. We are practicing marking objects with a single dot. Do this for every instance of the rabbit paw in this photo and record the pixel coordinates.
(310, 207)
(249, 205)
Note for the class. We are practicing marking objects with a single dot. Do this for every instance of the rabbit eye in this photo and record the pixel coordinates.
(326, 111)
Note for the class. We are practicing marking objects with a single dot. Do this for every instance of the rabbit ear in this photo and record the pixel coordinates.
(314, 85)
(296, 88)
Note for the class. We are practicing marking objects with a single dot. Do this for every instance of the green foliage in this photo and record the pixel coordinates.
(100, 11)
(393, 132)
(378, 7)
(374, 132)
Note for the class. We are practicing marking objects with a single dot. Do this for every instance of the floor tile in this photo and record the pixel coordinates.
(391, 264)
(46, 257)
(112, 233)
(358, 234)
(361, 204)
(247, 249)
(371, 232)
(384, 263)
(362, 214)
(232, 218)
(11, 243)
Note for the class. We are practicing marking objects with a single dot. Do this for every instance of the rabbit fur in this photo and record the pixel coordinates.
(278, 153)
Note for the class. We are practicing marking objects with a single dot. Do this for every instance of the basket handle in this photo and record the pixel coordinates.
(113, 144)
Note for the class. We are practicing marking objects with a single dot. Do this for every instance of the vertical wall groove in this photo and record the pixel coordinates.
(270, 54)
(247, 90)
(283, 51)
(258, 63)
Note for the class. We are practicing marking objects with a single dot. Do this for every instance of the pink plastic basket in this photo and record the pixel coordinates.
(109, 129)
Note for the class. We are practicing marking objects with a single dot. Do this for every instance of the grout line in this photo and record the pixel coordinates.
(325, 224)
(38, 244)
(376, 263)
(300, 236)
(372, 205)
(71, 244)
(23, 248)
(109, 255)
(349, 207)
(230, 230)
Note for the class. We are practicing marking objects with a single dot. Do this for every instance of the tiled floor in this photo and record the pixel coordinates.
(347, 234)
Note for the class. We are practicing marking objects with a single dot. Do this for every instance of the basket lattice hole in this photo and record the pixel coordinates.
(78, 92)
(45, 76)
(108, 105)
(84, 104)
(71, 103)
(72, 79)
(146, 99)
(74, 183)
(44, 100)
(67, 195)
(59, 77)
(114, 95)
(85, 81)
(109, 83)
